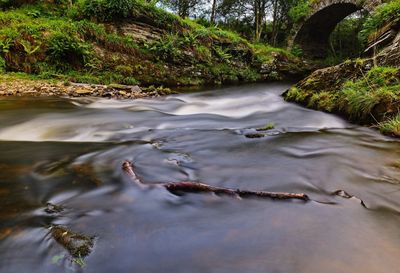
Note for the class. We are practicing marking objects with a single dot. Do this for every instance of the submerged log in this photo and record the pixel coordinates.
(180, 188)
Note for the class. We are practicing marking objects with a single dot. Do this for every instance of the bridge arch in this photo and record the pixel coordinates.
(312, 34)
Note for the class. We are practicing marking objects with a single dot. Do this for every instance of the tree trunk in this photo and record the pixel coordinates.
(213, 11)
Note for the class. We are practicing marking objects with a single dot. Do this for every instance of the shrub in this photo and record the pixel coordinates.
(124, 70)
(108, 10)
(296, 51)
(65, 49)
(300, 11)
(165, 49)
(383, 14)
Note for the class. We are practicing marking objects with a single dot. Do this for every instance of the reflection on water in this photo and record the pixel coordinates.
(69, 152)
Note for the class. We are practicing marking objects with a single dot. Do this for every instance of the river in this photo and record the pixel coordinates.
(69, 152)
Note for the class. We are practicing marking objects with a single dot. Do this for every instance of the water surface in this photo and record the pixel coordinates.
(69, 152)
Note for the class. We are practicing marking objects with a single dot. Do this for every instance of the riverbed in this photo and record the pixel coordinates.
(69, 152)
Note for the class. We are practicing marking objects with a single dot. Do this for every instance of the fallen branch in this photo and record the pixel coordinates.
(180, 188)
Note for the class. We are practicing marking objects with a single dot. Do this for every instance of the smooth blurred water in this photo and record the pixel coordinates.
(70, 151)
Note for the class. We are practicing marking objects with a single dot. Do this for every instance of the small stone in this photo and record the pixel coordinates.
(254, 135)
(51, 208)
(83, 91)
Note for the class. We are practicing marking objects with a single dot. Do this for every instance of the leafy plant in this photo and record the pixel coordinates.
(64, 48)
(2, 64)
(268, 126)
(391, 126)
(300, 11)
(29, 48)
(296, 51)
(108, 10)
(383, 14)
(165, 49)
(223, 54)
(5, 45)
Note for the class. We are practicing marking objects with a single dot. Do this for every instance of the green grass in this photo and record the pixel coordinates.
(323, 101)
(381, 85)
(391, 126)
(370, 98)
(298, 95)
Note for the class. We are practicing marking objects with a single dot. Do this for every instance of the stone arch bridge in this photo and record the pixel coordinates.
(312, 34)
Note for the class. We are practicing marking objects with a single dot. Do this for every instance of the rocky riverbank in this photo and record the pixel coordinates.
(40, 88)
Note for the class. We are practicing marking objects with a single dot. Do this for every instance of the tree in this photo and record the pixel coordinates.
(213, 11)
(183, 8)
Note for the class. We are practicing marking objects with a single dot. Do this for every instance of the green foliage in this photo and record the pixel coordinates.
(29, 47)
(189, 39)
(300, 11)
(265, 53)
(165, 49)
(223, 53)
(296, 51)
(323, 101)
(371, 98)
(268, 126)
(297, 95)
(6, 4)
(108, 10)
(124, 70)
(157, 17)
(56, 41)
(65, 48)
(379, 86)
(391, 127)
(249, 75)
(389, 12)
(5, 45)
(204, 53)
(344, 40)
(2, 65)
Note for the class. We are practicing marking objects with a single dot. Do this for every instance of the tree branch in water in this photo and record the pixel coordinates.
(180, 188)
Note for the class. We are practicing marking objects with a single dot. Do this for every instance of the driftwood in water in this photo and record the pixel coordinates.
(180, 188)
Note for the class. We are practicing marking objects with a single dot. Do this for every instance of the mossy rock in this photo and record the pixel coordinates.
(78, 245)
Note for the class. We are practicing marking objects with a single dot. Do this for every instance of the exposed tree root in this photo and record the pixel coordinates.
(180, 188)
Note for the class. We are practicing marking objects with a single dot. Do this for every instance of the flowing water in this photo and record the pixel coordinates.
(69, 152)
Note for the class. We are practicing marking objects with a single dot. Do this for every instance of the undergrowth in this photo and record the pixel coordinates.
(371, 98)
(384, 14)
(84, 42)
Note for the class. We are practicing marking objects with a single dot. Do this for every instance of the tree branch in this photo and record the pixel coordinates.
(180, 188)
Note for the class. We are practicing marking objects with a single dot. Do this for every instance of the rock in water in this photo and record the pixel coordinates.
(78, 245)
(52, 209)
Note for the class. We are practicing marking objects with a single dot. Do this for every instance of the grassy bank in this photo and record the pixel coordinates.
(366, 91)
(138, 43)
(363, 93)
